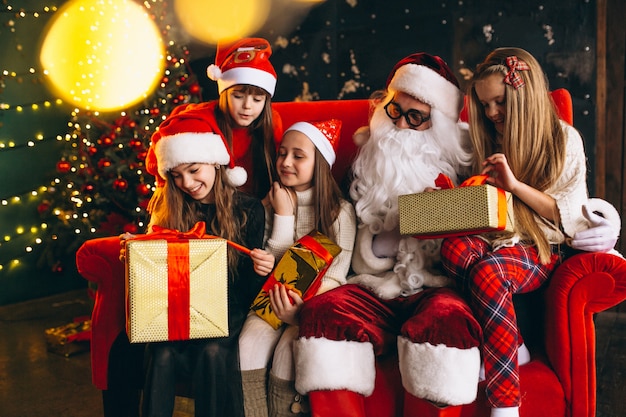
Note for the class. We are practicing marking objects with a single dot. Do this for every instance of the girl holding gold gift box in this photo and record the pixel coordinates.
(519, 141)
(306, 199)
(198, 180)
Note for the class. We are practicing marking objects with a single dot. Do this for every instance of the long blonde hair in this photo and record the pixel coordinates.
(533, 140)
(262, 132)
(172, 208)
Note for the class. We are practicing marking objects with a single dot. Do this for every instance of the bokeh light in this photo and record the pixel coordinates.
(211, 21)
(102, 54)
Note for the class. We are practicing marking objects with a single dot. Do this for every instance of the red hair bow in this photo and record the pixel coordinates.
(512, 77)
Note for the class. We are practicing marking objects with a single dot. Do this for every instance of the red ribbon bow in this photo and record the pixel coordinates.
(512, 77)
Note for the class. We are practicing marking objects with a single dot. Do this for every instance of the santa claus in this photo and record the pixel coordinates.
(398, 298)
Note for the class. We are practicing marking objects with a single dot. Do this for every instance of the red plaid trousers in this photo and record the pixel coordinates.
(489, 279)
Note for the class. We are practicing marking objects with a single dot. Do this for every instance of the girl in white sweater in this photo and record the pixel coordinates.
(306, 199)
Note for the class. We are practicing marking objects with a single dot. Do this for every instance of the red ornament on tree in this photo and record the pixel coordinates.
(143, 189)
(120, 184)
(43, 207)
(88, 188)
(141, 156)
(63, 166)
(135, 144)
(104, 163)
(194, 89)
(92, 150)
(130, 228)
(106, 141)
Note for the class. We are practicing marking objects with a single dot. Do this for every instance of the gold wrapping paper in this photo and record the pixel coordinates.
(69, 339)
(301, 268)
(147, 289)
(454, 212)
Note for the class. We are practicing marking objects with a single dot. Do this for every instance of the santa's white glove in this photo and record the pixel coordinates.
(385, 244)
(604, 231)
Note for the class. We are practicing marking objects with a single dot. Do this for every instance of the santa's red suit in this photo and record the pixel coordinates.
(398, 300)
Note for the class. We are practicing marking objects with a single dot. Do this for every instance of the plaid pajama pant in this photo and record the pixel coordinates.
(490, 279)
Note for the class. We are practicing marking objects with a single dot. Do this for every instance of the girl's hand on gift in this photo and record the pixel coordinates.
(286, 303)
(263, 261)
(500, 174)
(282, 200)
(123, 238)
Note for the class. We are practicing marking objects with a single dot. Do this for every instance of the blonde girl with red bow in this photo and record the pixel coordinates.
(522, 145)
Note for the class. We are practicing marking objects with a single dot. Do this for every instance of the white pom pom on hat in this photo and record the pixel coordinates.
(190, 135)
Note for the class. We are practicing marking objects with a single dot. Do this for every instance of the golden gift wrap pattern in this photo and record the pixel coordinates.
(455, 212)
(149, 285)
(69, 339)
(301, 268)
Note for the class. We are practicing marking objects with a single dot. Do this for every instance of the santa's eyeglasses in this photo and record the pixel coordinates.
(414, 118)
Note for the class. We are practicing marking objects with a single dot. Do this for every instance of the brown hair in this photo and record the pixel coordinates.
(327, 198)
(533, 139)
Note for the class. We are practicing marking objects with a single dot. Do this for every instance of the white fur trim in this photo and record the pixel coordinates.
(323, 364)
(439, 373)
(214, 72)
(320, 141)
(364, 261)
(247, 75)
(190, 147)
(426, 85)
(607, 211)
(237, 176)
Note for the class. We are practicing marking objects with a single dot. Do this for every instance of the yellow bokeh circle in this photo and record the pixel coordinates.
(219, 20)
(102, 54)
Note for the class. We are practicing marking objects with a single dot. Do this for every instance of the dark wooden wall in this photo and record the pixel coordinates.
(611, 105)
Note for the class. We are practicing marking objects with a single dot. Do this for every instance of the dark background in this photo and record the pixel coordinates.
(337, 49)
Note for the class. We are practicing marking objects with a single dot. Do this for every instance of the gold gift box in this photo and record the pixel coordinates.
(69, 339)
(301, 268)
(455, 212)
(148, 282)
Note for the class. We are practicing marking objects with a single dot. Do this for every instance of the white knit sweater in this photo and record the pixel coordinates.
(282, 231)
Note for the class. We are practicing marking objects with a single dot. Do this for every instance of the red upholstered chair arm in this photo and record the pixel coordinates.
(582, 286)
(98, 261)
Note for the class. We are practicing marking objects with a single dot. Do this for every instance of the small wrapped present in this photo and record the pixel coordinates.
(472, 208)
(69, 339)
(301, 268)
(176, 286)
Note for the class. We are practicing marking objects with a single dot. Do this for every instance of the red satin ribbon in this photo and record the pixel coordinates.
(319, 250)
(178, 287)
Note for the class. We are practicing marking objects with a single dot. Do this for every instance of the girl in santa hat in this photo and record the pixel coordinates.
(246, 81)
(197, 179)
(520, 143)
(307, 198)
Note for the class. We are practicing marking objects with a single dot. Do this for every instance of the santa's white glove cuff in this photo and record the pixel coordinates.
(605, 227)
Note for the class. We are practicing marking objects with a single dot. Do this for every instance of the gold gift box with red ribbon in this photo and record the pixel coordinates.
(472, 208)
(176, 286)
(301, 268)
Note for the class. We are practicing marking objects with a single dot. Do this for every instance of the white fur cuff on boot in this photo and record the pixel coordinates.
(439, 373)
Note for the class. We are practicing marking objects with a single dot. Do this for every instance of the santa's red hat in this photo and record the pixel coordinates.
(323, 134)
(428, 79)
(190, 135)
(246, 61)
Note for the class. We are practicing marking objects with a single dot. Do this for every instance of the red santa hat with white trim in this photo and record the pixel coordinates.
(190, 135)
(243, 62)
(324, 135)
(429, 79)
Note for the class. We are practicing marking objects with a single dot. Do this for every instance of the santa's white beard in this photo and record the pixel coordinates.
(394, 162)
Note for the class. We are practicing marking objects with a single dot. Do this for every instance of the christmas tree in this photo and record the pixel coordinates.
(102, 188)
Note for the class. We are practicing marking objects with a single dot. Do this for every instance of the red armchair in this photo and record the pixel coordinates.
(559, 380)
